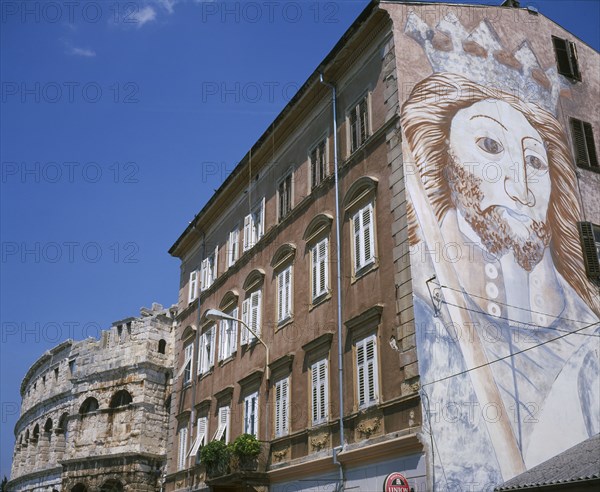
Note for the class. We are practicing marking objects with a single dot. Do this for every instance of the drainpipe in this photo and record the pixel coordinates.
(194, 367)
(338, 262)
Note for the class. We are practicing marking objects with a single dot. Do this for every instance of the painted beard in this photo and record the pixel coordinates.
(491, 225)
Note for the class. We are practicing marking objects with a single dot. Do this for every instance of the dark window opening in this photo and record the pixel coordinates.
(121, 398)
(566, 58)
(285, 196)
(88, 406)
(590, 243)
(79, 488)
(36, 433)
(48, 426)
(162, 346)
(318, 170)
(583, 143)
(359, 124)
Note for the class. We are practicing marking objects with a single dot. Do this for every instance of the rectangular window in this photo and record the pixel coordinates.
(187, 363)
(228, 336)
(222, 433)
(364, 238)
(201, 429)
(590, 242)
(318, 164)
(284, 192)
(281, 407)
(367, 389)
(209, 269)
(320, 390)
(584, 145)
(251, 414)
(193, 286)
(233, 247)
(183, 435)
(254, 225)
(359, 123)
(320, 268)
(251, 315)
(284, 294)
(566, 58)
(206, 356)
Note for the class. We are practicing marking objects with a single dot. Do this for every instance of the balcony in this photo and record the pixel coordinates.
(243, 473)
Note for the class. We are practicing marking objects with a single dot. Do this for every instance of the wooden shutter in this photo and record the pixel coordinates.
(193, 285)
(590, 144)
(222, 338)
(202, 429)
(233, 326)
(590, 251)
(371, 363)
(360, 373)
(201, 354)
(358, 241)
(368, 234)
(255, 306)
(280, 295)
(211, 346)
(281, 407)
(562, 56)
(319, 392)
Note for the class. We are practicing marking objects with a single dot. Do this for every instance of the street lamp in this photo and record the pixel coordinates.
(215, 315)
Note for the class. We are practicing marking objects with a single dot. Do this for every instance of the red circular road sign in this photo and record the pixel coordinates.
(395, 482)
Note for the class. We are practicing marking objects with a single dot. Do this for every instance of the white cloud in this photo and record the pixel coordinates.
(145, 15)
(82, 52)
(168, 5)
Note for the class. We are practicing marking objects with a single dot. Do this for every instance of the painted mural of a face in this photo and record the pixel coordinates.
(504, 165)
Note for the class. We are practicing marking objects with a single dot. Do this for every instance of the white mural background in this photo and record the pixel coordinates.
(507, 323)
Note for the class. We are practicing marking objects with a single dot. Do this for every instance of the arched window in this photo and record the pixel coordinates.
(121, 398)
(112, 486)
(26, 436)
(62, 423)
(89, 405)
(162, 346)
(79, 488)
(48, 425)
(36, 433)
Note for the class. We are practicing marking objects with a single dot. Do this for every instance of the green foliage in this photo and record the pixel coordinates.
(246, 446)
(215, 453)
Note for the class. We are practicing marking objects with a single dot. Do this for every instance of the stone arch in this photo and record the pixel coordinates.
(89, 405)
(254, 279)
(80, 487)
(48, 425)
(360, 189)
(284, 254)
(62, 423)
(27, 436)
(121, 398)
(317, 226)
(162, 346)
(112, 485)
(35, 436)
(230, 297)
(189, 331)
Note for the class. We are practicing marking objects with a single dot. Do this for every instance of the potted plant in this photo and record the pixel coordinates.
(215, 455)
(246, 448)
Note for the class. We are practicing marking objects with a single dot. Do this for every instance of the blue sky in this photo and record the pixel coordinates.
(119, 119)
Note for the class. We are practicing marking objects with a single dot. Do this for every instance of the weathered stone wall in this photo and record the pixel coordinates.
(63, 440)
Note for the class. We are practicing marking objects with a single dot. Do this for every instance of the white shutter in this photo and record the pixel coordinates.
(182, 448)
(193, 285)
(281, 407)
(320, 391)
(255, 313)
(233, 327)
(261, 226)
(315, 271)
(245, 335)
(251, 414)
(280, 295)
(201, 354)
(222, 330)
(215, 273)
(368, 237)
(367, 373)
(234, 240)
(247, 232)
(288, 293)
(320, 268)
(211, 347)
(204, 274)
(202, 429)
(358, 241)
(360, 372)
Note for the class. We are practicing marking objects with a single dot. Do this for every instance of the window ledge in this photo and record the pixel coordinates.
(320, 300)
(283, 323)
(228, 359)
(205, 374)
(374, 265)
(589, 168)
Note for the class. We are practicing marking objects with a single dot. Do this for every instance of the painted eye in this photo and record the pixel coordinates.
(489, 145)
(536, 163)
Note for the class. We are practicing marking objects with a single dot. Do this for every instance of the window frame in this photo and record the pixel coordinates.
(362, 264)
(322, 262)
(251, 397)
(182, 453)
(285, 193)
(320, 405)
(193, 286)
(570, 52)
(206, 358)
(365, 387)
(228, 330)
(223, 424)
(281, 407)
(209, 269)
(356, 141)
(188, 361)
(285, 294)
(316, 178)
(201, 433)
(233, 246)
(254, 225)
(582, 138)
(250, 305)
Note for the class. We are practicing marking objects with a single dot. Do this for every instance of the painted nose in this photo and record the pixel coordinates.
(518, 190)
